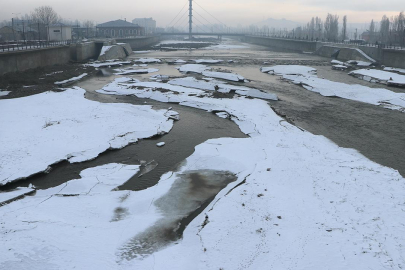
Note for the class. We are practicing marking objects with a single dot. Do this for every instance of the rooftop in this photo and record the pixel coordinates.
(117, 23)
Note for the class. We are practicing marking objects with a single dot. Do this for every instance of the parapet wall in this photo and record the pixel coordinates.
(289, 44)
(28, 59)
(140, 42)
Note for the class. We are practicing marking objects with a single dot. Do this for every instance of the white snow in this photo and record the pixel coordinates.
(105, 49)
(359, 63)
(380, 76)
(72, 80)
(194, 68)
(375, 96)
(4, 93)
(299, 202)
(225, 76)
(289, 70)
(7, 196)
(161, 144)
(337, 62)
(398, 70)
(43, 129)
(107, 64)
(305, 203)
(227, 47)
(339, 67)
(148, 60)
(208, 61)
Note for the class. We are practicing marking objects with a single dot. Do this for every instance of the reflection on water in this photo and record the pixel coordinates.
(189, 195)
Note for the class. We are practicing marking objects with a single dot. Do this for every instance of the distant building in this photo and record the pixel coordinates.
(148, 23)
(120, 28)
(59, 32)
(19, 32)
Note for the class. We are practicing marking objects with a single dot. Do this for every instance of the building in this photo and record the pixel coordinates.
(59, 32)
(18, 32)
(148, 23)
(119, 28)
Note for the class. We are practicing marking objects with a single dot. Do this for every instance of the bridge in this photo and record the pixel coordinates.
(200, 31)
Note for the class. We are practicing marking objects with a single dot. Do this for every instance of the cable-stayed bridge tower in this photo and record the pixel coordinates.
(190, 19)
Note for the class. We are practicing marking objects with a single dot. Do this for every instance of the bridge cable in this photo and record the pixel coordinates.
(177, 15)
(180, 18)
(209, 23)
(209, 13)
(202, 24)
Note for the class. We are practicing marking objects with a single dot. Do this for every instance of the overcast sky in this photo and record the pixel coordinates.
(230, 12)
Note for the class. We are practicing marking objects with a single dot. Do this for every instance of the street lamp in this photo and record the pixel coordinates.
(12, 24)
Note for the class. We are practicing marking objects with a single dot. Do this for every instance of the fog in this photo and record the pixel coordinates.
(230, 12)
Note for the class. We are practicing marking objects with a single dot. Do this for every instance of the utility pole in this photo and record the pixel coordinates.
(190, 20)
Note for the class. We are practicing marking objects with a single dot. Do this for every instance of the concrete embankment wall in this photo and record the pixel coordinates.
(85, 51)
(387, 57)
(140, 42)
(279, 43)
(28, 59)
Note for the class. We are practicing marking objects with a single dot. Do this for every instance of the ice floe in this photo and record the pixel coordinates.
(193, 68)
(208, 61)
(4, 93)
(359, 63)
(398, 70)
(379, 76)
(72, 80)
(107, 64)
(298, 198)
(224, 75)
(148, 60)
(289, 70)
(8, 196)
(65, 126)
(318, 192)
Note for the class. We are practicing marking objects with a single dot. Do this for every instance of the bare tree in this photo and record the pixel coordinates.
(89, 25)
(332, 27)
(344, 30)
(45, 15)
(384, 28)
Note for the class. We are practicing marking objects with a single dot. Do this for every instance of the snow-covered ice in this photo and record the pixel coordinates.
(376, 96)
(161, 144)
(359, 63)
(148, 60)
(107, 64)
(208, 61)
(72, 80)
(225, 76)
(379, 76)
(337, 62)
(4, 93)
(193, 68)
(339, 67)
(302, 202)
(398, 70)
(299, 202)
(105, 49)
(7, 196)
(65, 126)
(226, 47)
(289, 70)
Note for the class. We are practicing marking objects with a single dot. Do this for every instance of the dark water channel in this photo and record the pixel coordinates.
(194, 127)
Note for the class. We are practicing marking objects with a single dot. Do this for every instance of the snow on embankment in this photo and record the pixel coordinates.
(377, 96)
(43, 129)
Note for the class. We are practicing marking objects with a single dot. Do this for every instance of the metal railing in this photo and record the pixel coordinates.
(31, 45)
